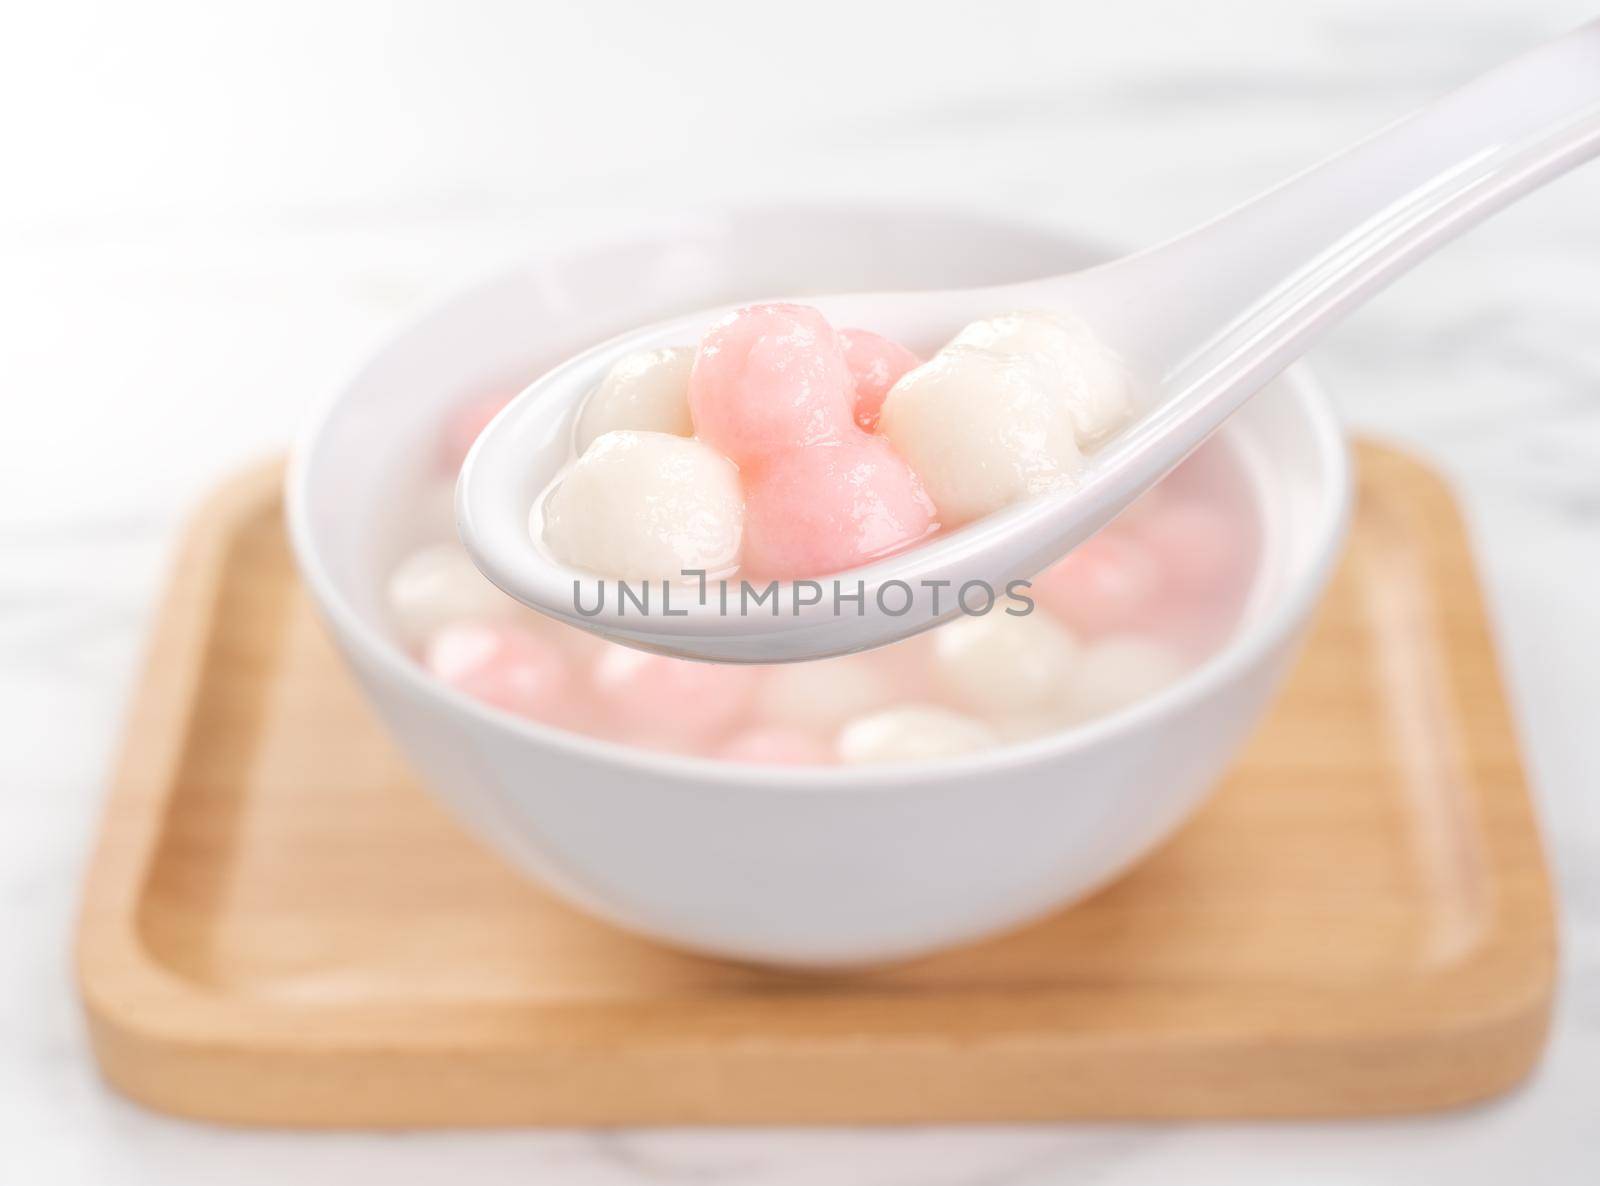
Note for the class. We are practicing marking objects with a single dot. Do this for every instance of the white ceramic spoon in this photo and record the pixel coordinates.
(1205, 320)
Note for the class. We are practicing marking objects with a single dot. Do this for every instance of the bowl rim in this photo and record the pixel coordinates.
(1248, 646)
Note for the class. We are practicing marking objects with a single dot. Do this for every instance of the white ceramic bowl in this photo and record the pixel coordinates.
(808, 867)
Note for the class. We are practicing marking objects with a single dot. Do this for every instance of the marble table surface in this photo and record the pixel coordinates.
(213, 212)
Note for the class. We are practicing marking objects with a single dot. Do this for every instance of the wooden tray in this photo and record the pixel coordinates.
(280, 928)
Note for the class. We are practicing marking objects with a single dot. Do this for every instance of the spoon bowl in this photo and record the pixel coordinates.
(528, 443)
(1204, 322)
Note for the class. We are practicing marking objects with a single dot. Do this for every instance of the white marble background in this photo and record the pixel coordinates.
(209, 213)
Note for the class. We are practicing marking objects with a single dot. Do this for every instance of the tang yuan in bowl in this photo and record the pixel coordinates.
(841, 812)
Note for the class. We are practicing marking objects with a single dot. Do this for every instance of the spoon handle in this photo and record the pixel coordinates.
(1241, 297)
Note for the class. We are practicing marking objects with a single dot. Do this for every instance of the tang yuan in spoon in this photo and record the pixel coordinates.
(769, 484)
